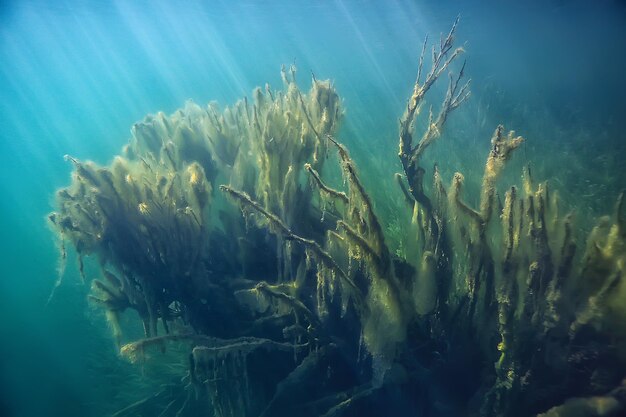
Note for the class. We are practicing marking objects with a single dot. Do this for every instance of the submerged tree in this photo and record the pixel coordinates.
(489, 311)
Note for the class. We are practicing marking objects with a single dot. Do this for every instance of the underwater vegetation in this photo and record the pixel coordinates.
(220, 228)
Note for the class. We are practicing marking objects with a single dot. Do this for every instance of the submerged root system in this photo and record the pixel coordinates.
(321, 317)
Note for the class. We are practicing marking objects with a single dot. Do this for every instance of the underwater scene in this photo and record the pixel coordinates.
(313, 208)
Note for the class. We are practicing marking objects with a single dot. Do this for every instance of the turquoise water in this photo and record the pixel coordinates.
(74, 76)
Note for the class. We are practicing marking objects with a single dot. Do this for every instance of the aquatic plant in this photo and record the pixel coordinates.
(487, 311)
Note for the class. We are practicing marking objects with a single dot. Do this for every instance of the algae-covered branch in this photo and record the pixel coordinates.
(221, 228)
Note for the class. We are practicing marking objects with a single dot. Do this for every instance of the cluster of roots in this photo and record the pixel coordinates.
(220, 229)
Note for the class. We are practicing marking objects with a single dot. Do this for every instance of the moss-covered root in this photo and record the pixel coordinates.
(501, 150)
(612, 404)
(361, 203)
(603, 290)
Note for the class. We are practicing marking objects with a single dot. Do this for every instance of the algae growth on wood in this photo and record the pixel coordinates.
(220, 228)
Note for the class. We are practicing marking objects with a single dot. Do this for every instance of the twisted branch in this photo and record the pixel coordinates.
(455, 96)
(320, 254)
(340, 195)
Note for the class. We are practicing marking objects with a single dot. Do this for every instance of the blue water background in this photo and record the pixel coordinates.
(74, 76)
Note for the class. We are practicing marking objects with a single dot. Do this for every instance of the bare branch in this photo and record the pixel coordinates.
(421, 62)
(452, 100)
(134, 351)
(340, 195)
(280, 227)
(408, 153)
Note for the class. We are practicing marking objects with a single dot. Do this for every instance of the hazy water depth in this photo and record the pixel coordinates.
(75, 75)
